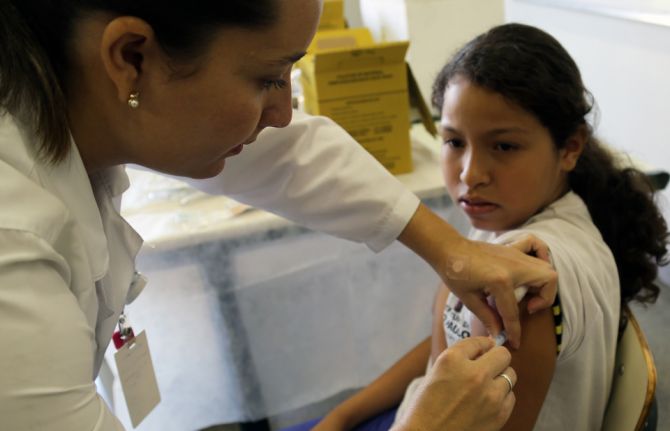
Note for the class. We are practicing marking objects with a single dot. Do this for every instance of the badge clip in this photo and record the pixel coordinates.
(125, 333)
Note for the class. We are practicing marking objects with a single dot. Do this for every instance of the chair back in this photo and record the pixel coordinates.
(634, 380)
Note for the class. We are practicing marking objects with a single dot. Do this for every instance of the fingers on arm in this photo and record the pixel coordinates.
(479, 305)
(495, 361)
(531, 245)
(474, 348)
(541, 280)
(544, 287)
(507, 379)
(504, 314)
(508, 308)
(544, 296)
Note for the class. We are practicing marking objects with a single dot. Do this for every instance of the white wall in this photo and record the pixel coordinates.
(435, 28)
(626, 65)
(352, 13)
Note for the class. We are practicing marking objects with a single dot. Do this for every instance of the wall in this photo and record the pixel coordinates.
(435, 28)
(352, 13)
(626, 65)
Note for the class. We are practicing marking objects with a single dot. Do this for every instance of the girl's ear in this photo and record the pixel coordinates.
(573, 148)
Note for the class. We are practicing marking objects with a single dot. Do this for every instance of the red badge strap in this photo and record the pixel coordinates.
(124, 334)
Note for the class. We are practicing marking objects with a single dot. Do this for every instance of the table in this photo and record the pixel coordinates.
(254, 316)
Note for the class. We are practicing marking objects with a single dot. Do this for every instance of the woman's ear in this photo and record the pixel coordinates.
(127, 42)
(573, 148)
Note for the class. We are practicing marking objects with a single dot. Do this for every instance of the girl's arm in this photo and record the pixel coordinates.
(382, 394)
(534, 363)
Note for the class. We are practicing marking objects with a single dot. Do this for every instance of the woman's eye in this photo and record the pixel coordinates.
(276, 84)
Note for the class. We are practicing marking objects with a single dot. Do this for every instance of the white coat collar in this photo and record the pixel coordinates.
(70, 183)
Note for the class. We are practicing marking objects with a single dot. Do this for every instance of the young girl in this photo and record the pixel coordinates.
(519, 157)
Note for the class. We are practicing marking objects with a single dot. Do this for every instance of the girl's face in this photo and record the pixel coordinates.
(499, 163)
(190, 125)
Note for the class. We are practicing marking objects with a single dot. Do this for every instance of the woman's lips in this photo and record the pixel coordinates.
(235, 151)
(477, 207)
(238, 149)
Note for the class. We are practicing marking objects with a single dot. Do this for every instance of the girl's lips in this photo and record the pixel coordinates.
(475, 208)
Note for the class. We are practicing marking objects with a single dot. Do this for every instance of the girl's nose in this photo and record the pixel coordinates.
(474, 172)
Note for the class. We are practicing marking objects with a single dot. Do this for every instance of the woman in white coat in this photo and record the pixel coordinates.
(87, 86)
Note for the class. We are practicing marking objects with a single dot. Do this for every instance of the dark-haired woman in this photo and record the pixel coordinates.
(520, 158)
(87, 86)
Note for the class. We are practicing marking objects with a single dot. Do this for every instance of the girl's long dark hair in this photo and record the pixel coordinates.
(531, 68)
(35, 44)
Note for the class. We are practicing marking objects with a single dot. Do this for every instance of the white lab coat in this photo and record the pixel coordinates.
(67, 256)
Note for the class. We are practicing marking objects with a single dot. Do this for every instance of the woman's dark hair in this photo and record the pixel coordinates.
(531, 69)
(35, 43)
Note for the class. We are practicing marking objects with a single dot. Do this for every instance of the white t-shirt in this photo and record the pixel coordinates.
(588, 286)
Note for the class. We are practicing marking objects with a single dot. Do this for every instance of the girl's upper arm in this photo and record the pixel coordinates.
(534, 363)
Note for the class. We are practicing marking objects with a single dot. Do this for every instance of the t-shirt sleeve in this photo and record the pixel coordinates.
(569, 283)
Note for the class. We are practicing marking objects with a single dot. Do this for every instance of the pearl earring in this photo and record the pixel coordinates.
(134, 100)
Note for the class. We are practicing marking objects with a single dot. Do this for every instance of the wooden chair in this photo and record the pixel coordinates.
(631, 404)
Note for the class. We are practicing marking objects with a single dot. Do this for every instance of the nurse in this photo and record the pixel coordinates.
(87, 86)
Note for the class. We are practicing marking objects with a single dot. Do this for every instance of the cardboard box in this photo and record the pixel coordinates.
(363, 86)
(332, 16)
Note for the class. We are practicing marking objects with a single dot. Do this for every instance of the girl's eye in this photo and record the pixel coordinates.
(504, 146)
(453, 143)
(276, 84)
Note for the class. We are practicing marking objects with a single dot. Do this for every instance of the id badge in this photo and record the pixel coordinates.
(138, 379)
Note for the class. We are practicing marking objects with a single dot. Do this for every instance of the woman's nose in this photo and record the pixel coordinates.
(277, 111)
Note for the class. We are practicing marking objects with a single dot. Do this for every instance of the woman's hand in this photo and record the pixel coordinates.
(533, 246)
(463, 390)
(474, 270)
